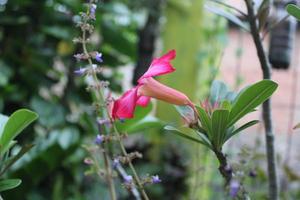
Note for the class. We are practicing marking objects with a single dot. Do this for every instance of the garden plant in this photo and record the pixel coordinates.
(96, 137)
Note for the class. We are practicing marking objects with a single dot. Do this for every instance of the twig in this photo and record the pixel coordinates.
(135, 175)
(123, 173)
(267, 116)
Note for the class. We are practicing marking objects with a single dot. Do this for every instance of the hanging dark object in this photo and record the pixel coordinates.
(282, 38)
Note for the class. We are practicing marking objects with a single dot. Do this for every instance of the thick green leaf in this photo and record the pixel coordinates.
(8, 184)
(243, 127)
(205, 139)
(293, 10)
(3, 120)
(226, 105)
(229, 16)
(205, 121)
(185, 111)
(250, 98)
(185, 135)
(18, 121)
(297, 126)
(219, 126)
(218, 92)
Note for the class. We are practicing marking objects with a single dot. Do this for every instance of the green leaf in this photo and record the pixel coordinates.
(204, 139)
(293, 10)
(229, 16)
(181, 132)
(185, 111)
(243, 127)
(3, 121)
(18, 121)
(59, 32)
(219, 126)
(297, 126)
(144, 124)
(226, 105)
(250, 98)
(205, 121)
(8, 184)
(218, 92)
(11, 161)
(263, 13)
(130, 125)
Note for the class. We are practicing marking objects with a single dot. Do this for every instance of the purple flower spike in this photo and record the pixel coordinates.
(116, 163)
(155, 179)
(99, 139)
(234, 188)
(80, 71)
(103, 121)
(128, 179)
(98, 57)
(93, 11)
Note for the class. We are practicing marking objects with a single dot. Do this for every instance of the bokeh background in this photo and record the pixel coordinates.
(36, 72)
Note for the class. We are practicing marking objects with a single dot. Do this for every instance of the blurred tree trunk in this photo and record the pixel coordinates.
(182, 32)
(147, 38)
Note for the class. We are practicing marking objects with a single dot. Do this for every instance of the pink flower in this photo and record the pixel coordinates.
(148, 87)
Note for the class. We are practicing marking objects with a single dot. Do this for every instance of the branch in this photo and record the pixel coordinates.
(267, 117)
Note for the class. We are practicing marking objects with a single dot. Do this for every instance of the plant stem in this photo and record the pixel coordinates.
(135, 175)
(100, 99)
(227, 174)
(100, 96)
(267, 117)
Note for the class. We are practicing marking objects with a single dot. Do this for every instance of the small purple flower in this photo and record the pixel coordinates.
(116, 163)
(128, 179)
(155, 179)
(93, 10)
(98, 57)
(99, 139)
(103, 121)
(80, 71)
(234, 188)
(78, 56)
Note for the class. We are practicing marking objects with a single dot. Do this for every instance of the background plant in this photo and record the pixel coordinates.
(10, 152)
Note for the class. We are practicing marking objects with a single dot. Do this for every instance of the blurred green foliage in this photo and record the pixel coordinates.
(36, 71)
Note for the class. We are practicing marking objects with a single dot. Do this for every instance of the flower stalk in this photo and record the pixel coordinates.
(104, 112)
(100, 99)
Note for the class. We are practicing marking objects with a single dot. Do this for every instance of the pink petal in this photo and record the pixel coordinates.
(143, 101)
(160, 66)
(169, 56)
(124, 106)
(155, 89)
